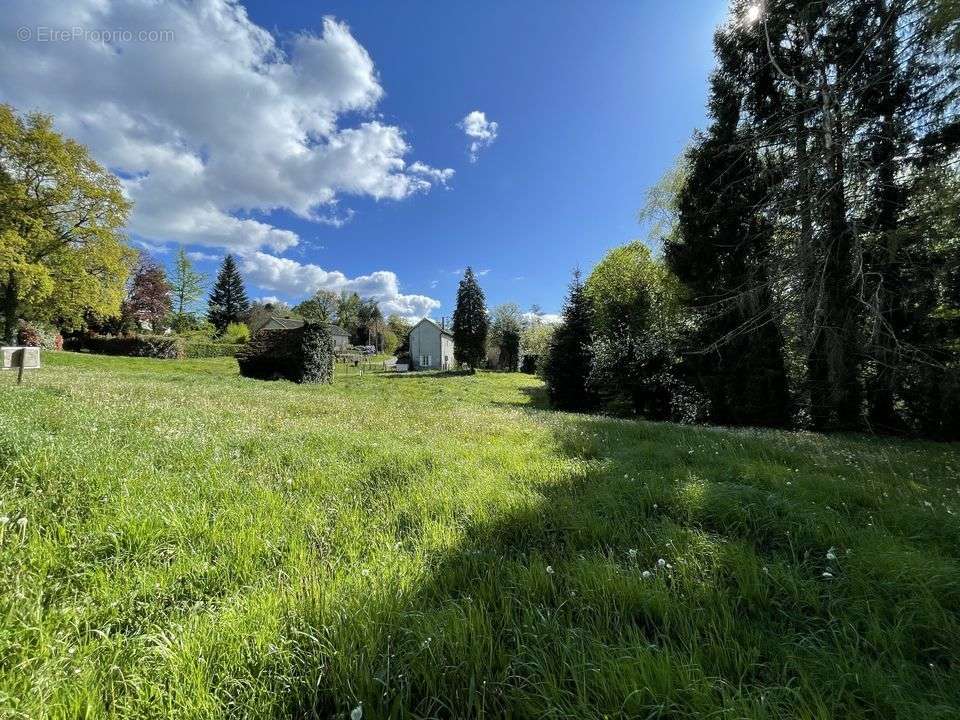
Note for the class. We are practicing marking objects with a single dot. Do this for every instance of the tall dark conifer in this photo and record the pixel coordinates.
(228, 299)
(568, 364)
(470, 322)
(721, 253)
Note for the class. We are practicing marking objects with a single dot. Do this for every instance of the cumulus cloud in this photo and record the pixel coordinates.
(293, 278)
(545, 318)
(482, 132)
(220, 124)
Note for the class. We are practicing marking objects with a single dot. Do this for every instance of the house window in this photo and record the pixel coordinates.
(425, 360)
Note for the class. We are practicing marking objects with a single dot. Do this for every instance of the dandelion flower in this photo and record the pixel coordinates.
(646, 574)
(661, 562)
(549, 569)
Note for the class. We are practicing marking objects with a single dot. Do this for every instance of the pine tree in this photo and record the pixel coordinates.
(470, 322)
(568, 363)
(228, 300)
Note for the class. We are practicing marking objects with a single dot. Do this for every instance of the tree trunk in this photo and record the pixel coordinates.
(10, 308)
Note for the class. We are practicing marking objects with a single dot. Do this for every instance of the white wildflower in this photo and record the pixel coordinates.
(549, 569)
(827, 574)
(646, 574)
(661, 562)
(357, 712)
(632, 553)
(832, 554)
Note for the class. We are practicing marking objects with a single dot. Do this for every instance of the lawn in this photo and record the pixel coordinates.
(179, 542)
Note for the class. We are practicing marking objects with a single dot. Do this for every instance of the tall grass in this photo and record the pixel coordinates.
(180, 542)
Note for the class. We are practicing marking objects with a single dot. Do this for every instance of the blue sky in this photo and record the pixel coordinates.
(592, 101)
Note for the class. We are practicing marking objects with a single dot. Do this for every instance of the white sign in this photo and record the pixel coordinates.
(19, 358)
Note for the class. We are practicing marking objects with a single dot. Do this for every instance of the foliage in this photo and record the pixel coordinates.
(206, 349)
(303, 355)
(631, 292)
(147, 305)
(61, 249)
(228, 301)
(470, 323)
(186, 286)
(638, 375)
(235, 332)
(506, 326)
(39, 335)
(568, 362)
(400, 328)
(321, 307)
(163, 347)
(535, 345)
(251, 538)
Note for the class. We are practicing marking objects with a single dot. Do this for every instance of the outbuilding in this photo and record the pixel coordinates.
(341, 338)
(431, 346)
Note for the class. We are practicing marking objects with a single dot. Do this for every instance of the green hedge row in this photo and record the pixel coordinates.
(151, 346)
(195, 349)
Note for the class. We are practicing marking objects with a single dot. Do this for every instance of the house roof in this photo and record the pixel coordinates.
(292, 323)
(443, 331)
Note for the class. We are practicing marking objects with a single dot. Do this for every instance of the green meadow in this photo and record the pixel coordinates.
(180, 542)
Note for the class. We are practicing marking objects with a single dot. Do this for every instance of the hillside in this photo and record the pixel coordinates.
(179, 542)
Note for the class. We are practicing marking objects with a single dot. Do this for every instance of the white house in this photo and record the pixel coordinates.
(431, 346)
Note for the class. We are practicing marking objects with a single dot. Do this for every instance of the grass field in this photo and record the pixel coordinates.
(178, 542)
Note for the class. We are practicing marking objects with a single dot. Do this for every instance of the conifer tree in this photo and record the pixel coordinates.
(470, 322)
(568, 360)
(228, 300)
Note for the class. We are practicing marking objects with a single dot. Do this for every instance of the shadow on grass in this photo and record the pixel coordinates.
(652, 578)
(433, 374)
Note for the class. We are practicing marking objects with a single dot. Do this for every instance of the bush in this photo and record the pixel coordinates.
(205, 349)
(39, 335)
(236, 333)
(162, 347)
(303, 355)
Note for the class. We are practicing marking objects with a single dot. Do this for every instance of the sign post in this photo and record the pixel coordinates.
(19, 359)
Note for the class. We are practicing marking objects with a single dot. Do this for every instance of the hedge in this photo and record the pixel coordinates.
(201, 349)
(303, 355)
(151, 346)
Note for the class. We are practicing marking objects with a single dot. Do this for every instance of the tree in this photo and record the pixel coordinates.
(348, 314)
(567, 367)
(228, 300)
(321, 307)
(506, 325)
(186, 286)
(370, 323)
(470, 322)
(62, 252)
(147, 305)
(720, 249)
(400, 329)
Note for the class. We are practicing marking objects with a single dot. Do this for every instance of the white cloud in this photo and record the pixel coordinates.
(219, 122)
(201, 256)
(481, 131)
(545, 318)
(268, 300)
(481, 273)
(292, 278)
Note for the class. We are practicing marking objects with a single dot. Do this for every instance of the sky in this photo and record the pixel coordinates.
(380, 147)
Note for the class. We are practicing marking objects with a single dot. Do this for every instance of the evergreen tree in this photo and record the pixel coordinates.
(567, 367)
(470, 322)
(228, 300)
(720, 251)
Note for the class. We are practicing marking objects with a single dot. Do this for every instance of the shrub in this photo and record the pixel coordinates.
(163, 347)
(39, 335)
(236, 333)
(206, 349)
(303, 355)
